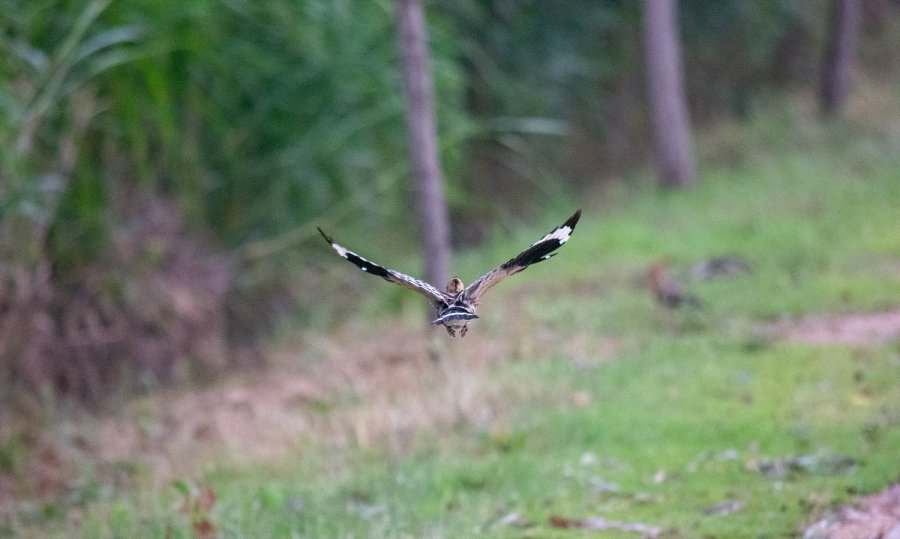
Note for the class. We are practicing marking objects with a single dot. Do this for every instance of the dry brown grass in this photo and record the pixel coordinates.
(154, 298)
(385, 386)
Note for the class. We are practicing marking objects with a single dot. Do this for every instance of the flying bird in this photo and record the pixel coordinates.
(456, 305)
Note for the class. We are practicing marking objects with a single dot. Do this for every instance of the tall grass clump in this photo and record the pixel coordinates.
(160, 161)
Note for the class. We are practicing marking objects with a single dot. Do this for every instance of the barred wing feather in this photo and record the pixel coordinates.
(539, 251)
(427, 290)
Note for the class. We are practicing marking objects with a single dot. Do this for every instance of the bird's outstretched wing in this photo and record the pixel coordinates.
(539, 251)
(427, 290)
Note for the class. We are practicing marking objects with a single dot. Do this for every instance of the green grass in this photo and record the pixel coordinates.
(675, 427)
(682, 411)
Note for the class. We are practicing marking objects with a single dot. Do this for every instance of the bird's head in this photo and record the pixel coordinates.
(658, 273)
(455, 286)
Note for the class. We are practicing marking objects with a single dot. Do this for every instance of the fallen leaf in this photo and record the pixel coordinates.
(597, 523)
(724, 508)
(514, 519)
(588, 459)
(600, 485)
(206, 499)
(203, 528)
(557, 521)
(821, 463)
(581, 399)
(859, 400)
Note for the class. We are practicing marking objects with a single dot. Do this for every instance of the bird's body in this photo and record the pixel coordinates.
(667, 290)
(456, 306)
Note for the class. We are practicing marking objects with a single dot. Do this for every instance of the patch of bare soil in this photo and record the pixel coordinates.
(855, 329)
(876, 517)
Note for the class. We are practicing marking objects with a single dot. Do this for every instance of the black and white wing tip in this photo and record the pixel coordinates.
(389, 275)
(561, 234)
(545, 247)
(539, 251)
(358, 261)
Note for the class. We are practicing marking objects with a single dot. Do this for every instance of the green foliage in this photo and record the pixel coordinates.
(245, 120)
(255, 117)
(52, 53)
(259, 117)
(735, 51)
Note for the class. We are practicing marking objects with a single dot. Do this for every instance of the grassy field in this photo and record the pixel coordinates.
(575, 401)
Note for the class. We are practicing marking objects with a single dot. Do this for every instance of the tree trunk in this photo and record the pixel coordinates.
(431, 204)
(840, 55)
(665, 79)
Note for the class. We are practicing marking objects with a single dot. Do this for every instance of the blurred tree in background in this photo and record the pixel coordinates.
(162, 163)
(130, 128)
(431, 204)
(671, 123)
(840, 54)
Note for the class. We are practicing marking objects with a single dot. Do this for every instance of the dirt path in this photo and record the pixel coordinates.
(854, 329)
(875, 516)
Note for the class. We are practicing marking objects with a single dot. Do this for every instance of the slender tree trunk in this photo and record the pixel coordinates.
(840, 55)
(431, 204)
(665, 79)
